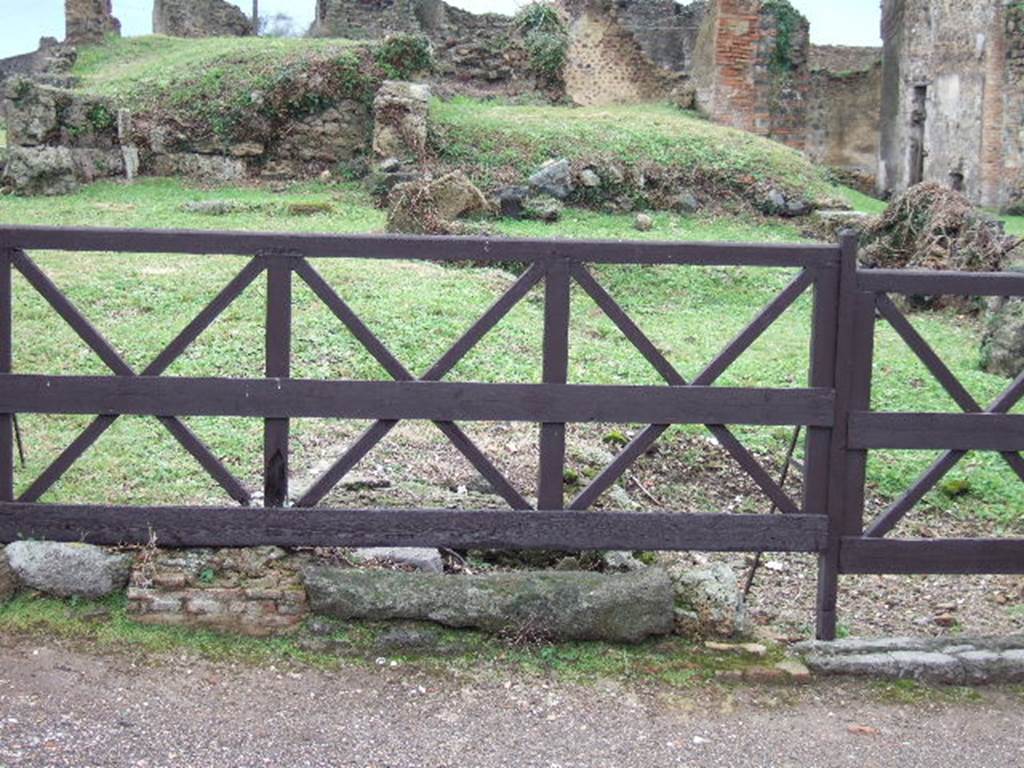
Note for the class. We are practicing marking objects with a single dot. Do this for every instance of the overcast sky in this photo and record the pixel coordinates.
(22, 23)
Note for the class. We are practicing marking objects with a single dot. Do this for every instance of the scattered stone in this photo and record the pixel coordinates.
(946, 620)
(431, 207)
(1002, 346)
(400, 112)
(9, 584)
(68, 570)
(754, 649)
(621, 561)
(562, 606)
(797, 671)
(709, 603)
(543, 208)
(936, 660)
(420, 558)
(685, 203)
(589, 178)
(211, 207)
(512, 201)
(643, 223)
(554, 178)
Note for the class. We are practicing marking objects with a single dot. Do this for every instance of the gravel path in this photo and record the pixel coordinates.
(61, 707)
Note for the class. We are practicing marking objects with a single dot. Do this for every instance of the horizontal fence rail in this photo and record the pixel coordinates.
(833, 410)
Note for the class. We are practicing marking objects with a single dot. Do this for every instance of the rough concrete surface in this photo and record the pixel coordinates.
(59, 707)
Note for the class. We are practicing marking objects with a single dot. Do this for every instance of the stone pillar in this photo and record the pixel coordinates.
(89, 21)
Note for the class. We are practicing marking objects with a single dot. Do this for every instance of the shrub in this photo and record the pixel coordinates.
(402, 56)
(546, 39)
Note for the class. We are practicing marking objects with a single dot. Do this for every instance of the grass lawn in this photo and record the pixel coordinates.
(140, 302)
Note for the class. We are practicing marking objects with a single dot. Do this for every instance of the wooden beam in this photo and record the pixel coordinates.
(938, 556)
(456, 529)
(478, 249)
(435, 401)
(935, 431)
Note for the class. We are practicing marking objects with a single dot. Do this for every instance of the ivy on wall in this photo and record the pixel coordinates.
(546, 39)
(788, 21)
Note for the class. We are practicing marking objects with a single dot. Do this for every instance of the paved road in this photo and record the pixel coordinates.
(60, 707)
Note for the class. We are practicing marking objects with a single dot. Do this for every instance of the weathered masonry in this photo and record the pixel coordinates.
(953, 97)
(828, 517)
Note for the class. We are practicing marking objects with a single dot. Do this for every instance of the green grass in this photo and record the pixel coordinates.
(493, 139)
(1014, 225)
(133, 68)
(107, 626)
(418, 309)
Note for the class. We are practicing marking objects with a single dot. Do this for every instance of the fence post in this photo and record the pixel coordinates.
(550, 491)
(278, 365)
(852, 329)
(6, 362)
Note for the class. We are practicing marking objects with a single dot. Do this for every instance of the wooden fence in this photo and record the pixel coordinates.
(834, 408)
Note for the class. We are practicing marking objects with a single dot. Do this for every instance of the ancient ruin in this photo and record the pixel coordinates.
(199, 18)
(942, 101)
(953, 102)
(89, 21)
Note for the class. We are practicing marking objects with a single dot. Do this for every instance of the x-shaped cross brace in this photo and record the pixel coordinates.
(885, 522)
(642, 442)
(106, 352)
(380, 429)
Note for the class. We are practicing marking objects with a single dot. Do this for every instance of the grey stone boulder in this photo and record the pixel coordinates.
(32, 113)
(559, 606)
(40, 171)
(709, 603)
(9, 584)
(69, 570)
(543, 208)
(554, 178)
(422, 559)
(685, 203)
(400, 112)
(1002, 346)
(512, 201)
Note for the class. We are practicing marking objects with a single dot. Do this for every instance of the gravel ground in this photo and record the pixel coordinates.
(63, 707)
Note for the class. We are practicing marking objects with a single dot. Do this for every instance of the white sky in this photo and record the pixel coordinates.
(849, 22)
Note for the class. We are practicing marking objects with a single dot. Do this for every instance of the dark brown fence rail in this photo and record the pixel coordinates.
(833, 407)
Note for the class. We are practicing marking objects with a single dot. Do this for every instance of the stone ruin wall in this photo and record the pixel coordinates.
(89, 21)
(620, 54)
(844, 109)
(476, 54)
(199, 18)
(736, 79)
(963, 59)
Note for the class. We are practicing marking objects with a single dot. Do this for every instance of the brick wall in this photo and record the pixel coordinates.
(739, 79)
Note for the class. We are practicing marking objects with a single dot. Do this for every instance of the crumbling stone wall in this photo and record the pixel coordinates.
(50, 63)
(475, 53)
(199, 18)
(58, 138)
(609, 64)
(844, 107)
(89, 21)
(751, 68)
(951, 105)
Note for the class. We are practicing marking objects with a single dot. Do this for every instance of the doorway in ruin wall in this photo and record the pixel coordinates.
(918, 124)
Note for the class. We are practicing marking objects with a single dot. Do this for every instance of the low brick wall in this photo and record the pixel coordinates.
(247, 591)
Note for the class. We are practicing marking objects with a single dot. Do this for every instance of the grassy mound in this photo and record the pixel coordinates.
(233, 89)
(652, 147)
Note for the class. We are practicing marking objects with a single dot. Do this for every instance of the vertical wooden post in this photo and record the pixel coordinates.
(847, 333)
(6, 362)
(278, 365)
(550, 491)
